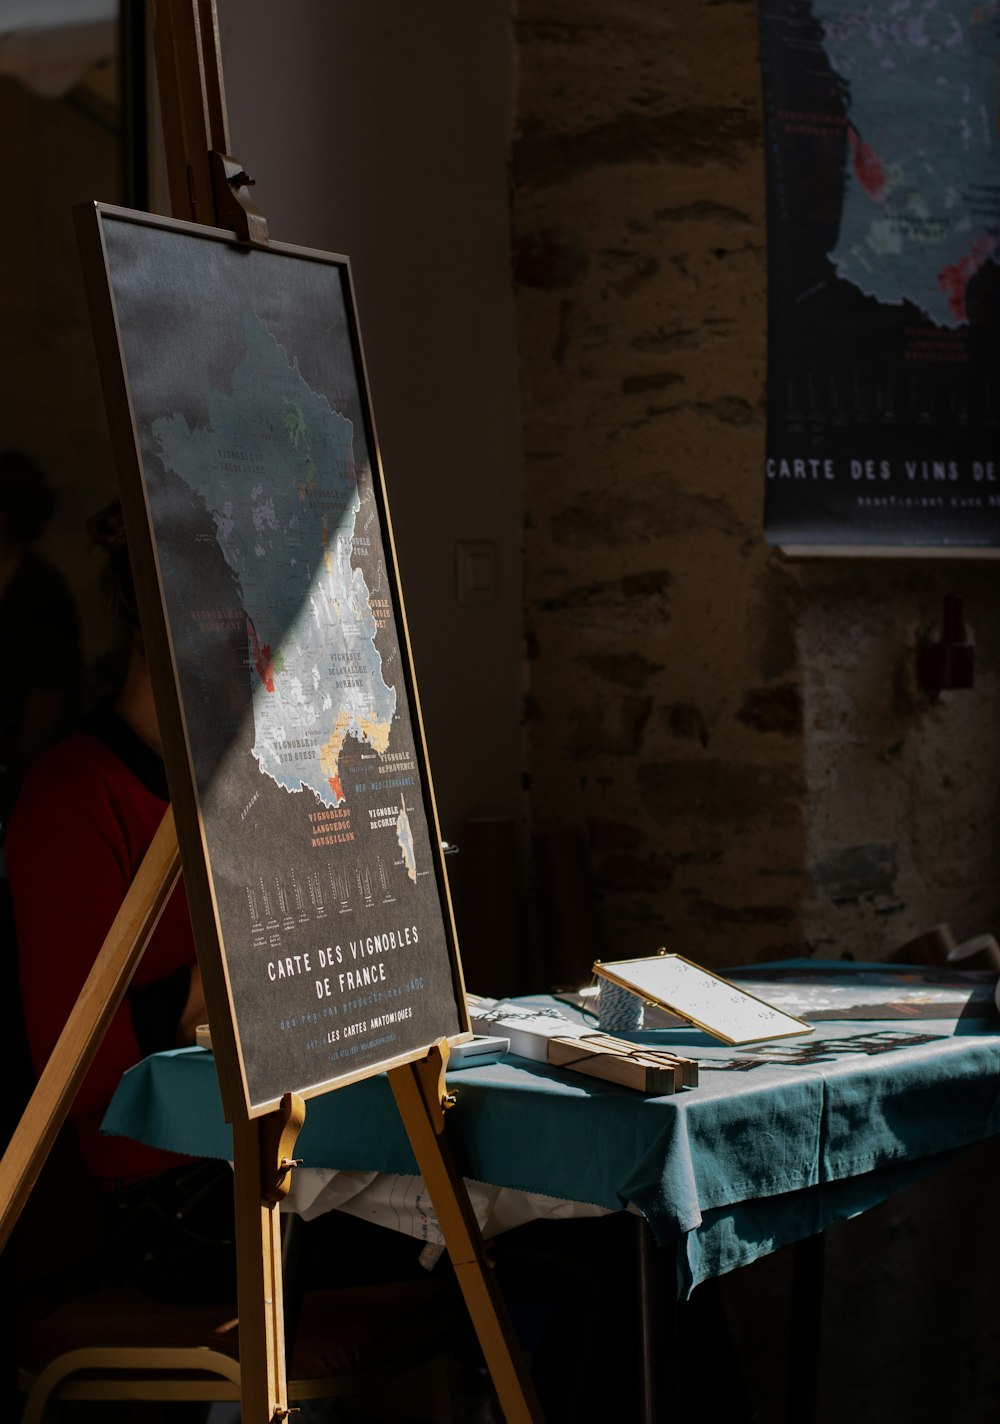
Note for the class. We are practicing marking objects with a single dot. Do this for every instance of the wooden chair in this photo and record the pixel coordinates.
(77, 1342)
(121, 1344)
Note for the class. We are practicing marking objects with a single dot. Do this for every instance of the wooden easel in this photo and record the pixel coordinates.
(209, 187)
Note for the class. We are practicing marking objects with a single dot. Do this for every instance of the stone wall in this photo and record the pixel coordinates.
(738, 741)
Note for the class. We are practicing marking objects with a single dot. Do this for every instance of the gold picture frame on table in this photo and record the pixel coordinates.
(706, 1000)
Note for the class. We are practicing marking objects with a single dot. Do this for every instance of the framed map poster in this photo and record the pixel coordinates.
(261, 546)
(883, 200)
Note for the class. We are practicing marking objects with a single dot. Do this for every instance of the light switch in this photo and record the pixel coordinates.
(475, 571)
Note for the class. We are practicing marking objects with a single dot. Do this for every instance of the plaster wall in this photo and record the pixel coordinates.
(383, 131)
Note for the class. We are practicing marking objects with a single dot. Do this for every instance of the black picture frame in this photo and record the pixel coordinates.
(265, 570)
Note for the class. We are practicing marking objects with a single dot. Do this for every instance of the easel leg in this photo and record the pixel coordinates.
(263, 1385)
(419, 1090)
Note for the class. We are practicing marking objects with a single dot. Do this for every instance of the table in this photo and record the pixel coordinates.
(778, 1141)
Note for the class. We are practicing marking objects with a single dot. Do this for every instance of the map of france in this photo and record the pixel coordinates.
(275, 467)
(921, 211)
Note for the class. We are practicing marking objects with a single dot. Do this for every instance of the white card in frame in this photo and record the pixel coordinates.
(709, 1002)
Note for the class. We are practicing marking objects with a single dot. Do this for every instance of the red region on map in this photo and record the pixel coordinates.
(955, 278)
(868, 167)
(262, 658)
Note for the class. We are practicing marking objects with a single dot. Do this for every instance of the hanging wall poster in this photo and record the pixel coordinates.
(258, 529)
(883, 193)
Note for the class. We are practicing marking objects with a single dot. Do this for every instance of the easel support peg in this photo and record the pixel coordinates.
(429, 1073)
(279, 1131)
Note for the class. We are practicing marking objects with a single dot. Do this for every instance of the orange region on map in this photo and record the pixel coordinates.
(261, 658)
(374, 732)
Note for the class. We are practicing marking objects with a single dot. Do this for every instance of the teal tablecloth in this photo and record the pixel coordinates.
(775, 1143)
